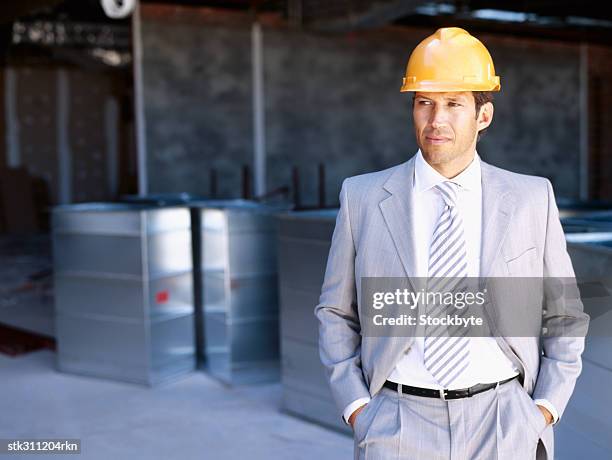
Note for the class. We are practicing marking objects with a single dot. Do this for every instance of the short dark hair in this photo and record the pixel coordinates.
(480, 99)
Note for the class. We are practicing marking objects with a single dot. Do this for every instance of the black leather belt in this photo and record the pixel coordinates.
(446, 394)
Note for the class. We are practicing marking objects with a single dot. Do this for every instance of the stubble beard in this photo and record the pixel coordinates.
(439, 157)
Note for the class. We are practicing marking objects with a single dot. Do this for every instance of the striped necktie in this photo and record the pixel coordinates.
(446, 351)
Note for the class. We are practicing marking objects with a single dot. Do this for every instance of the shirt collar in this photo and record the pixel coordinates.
(426, 177)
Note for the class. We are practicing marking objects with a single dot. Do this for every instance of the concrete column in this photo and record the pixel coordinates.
(584, 121)
(13, 155)
(64, 155)
(141, 141)
(259, 139)
(111, 120)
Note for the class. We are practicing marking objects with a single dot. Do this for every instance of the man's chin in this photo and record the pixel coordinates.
(437, 154)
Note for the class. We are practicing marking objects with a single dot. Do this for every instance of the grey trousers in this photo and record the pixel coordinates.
(499, 424)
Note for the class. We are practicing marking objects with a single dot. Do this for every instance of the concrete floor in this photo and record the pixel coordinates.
(195, 417)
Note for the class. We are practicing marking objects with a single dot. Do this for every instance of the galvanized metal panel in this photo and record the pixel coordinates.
(105, 255)
(252, 253)
(254, 297)
(104, 348)
(311, 225)
(308, 274)
(171, 294)
(302, 369)
(310, 407)
(587, 422)
(304, 237)
(166, 219)
(172, 340)
(125, 291)
(592, 260)
(216, 331)
(123, 298)
(584, 431)
(254, 340)
(298, 321)
(169, 252)
(215, 291)
(97, 218)
(240, 299)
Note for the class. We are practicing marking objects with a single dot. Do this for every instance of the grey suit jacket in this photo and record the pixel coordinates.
(373, 237)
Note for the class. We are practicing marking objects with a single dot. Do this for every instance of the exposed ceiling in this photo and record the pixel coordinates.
(576, 20)
(571, 19)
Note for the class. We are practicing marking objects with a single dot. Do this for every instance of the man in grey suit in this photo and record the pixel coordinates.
(447, 213)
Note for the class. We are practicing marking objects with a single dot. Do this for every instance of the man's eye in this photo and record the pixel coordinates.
(454, 104)
(423, 102)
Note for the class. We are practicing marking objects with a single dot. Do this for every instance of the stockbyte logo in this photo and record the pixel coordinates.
(478, 307)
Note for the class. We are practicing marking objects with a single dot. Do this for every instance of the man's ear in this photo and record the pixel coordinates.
(485, 117)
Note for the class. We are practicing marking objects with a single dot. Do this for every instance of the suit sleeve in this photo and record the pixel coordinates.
(565, 319)
(337, 313)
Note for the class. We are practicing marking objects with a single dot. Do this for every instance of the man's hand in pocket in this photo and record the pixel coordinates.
(353, 416)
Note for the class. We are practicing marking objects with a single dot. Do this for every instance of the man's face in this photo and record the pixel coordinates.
(446, 126)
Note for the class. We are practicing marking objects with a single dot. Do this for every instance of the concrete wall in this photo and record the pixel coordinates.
(64, 121)
(332, 99)
(197, 97)
(536, 127)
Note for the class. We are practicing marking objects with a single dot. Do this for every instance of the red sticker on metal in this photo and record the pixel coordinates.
(161, 297)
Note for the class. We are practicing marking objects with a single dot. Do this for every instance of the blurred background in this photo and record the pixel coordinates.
(169, 178)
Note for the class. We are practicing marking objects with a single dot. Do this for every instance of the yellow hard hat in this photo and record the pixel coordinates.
(450, 60)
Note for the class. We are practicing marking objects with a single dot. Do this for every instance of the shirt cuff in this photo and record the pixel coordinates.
(546, 403)
(352, 407)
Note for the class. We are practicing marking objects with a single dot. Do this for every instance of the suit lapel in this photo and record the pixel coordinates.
(498, 204)
(398, 217)
(397, 213)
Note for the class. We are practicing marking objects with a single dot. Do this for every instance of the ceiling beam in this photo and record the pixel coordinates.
(15, 10)
(343, 15)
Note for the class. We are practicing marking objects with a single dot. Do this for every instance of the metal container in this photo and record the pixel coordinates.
(591, 255)
(304, 242)
(162, 200)
(124, 302)
(587, 420)
(240, 293)
(306, 237)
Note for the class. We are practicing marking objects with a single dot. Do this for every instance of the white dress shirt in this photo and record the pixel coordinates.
(487, 361)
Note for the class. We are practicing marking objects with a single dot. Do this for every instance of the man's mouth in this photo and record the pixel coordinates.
(436, 139)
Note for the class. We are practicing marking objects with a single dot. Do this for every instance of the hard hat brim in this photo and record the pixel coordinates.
(443, 87)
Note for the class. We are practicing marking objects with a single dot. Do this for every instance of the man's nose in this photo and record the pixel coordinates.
(437, 117)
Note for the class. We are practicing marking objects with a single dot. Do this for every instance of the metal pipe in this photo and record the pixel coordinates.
(111, 128)
(584, 123)
(13, 156)
(141, 141)
(64, 155)
(259, 134)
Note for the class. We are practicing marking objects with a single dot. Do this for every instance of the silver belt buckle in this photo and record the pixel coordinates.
(443, 394)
